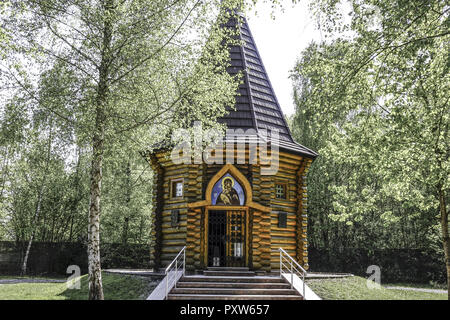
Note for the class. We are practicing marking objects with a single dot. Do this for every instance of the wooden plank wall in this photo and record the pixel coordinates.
(286, 238)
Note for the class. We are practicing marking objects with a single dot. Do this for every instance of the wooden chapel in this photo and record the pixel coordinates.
(235, 214)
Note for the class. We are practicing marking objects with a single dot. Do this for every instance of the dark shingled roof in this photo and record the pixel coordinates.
(256, 105)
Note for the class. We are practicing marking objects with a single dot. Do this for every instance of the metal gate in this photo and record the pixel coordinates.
(226, 238)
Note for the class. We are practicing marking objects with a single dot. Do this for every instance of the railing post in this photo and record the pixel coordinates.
(170, 269)
(280, 265)
(292, 276)
(176, 272)
(303, 286)
(184, 262)
(167, 285)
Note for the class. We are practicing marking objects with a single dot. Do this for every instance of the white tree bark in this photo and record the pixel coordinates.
(35, 220)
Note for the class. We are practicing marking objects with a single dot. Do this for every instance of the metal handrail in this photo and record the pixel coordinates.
(292, 259)
(170, 267)
(293, 265)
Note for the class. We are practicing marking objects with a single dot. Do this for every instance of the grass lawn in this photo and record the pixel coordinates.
(115, 287)
(440, 286)
(355, 288)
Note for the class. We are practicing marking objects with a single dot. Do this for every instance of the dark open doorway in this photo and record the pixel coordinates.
(226, 238)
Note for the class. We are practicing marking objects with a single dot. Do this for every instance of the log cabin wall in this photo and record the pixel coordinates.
(286, 236)
(260, 223)
(168, 237)
(265, 234)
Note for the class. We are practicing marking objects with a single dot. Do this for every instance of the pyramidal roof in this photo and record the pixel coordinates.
(256, 104)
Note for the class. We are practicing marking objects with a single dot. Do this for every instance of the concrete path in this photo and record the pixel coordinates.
(325, 275)
(417, 289)
(136, 272)
(14, 281)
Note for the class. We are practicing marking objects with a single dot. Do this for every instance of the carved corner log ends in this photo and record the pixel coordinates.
(302, 214)
(157, 216)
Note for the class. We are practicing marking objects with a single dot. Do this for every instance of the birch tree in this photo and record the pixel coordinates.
(133, 70)
(379, 88)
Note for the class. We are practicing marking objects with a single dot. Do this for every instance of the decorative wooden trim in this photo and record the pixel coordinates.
(260, 207)
(226, 208)
(247, 237)
(258, 256)
(197, 204)
(229, 168)
(205, 236)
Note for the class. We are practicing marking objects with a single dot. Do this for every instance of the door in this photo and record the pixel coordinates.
(217, 222)
(236, 235)
(227, 238)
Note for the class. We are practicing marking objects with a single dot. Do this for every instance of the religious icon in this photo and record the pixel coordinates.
(228, 192)
(229, 195)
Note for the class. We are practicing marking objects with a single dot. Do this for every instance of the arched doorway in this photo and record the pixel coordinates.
(226, 233)
(226, 219)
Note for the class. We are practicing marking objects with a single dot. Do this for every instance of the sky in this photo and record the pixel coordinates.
(280, 43)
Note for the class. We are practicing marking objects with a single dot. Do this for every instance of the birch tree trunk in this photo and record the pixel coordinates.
(445, 235)
(126, 221)
(35, 220)
(95, 275)
(38, 205)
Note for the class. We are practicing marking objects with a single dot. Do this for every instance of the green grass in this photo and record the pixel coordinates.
(115, 287)
(355, 288)
(440, 286)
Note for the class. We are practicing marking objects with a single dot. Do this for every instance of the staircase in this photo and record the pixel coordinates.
(232, 284)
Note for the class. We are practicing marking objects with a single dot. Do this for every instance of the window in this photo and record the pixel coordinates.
(282, 219)
(177, 188)
(175, 218)
(281, 191)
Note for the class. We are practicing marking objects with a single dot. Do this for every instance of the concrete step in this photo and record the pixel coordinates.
(229, 273)
(234, 279)
(237, 285)
(228, 268)
(232, 297)
(232, 291)
(232, 285)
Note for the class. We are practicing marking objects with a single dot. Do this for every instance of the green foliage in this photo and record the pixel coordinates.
(374, 103)
(148, 66)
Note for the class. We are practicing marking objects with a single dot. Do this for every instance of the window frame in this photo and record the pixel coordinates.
(173, 191)
(285, 186)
